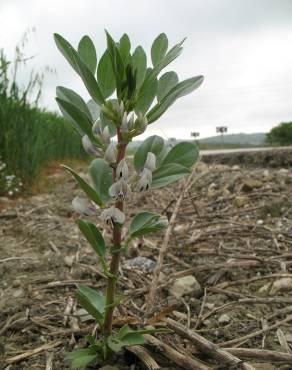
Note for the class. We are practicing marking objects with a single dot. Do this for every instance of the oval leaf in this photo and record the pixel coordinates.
(94, 109)
(93, 236)
(73, 98)
(102, 178)
(87, 52)
(159, 48)
(125, 46)
(146, 96)
(88, 190)
(145, 223)
(184, 153)
(139, 61)
(152, 144)
(79, 117)
(92, 301)
(66, 49)
(167, 174)
(105, 75)
(89, 80)
(165, 84)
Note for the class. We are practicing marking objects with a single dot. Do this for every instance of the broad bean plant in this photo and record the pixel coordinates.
(127, 95)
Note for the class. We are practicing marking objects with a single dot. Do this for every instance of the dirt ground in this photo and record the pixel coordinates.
(233, 233)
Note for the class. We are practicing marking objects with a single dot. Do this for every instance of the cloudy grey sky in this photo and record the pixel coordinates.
(242, 47)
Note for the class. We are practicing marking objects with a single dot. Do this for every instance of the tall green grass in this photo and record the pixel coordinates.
(30, 137)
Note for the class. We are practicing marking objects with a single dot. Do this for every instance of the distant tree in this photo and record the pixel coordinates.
(281, 134)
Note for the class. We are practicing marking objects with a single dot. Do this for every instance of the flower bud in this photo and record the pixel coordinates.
(96, 129)
(119, 189)
(112, 216)
(122, 170)
(89, 148)
(121, 108)
(110, 153)
(82, 206)
(106, 136)
(131, 122)
(141, 123)
(124, 124)
(150, 163)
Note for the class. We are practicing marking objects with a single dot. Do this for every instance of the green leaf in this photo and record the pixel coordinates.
(165, 84)
(66, 49)
(87, 52)
(88, 190)
(182, 88)
(184, 153)
(145, 223)
(117, 62)
(105, 75)
(125, 46)
(114, 344)
(167, 174)
(152, 144)
(82, 122)
(133, 337)
(92, 301)
(159, 48)
(81, 357)
(168, 58)
(88, 80)
(139, 61)
(94, 109)
(102, 178)
(93, 236)
(146, 96)
(72, 97)
(186, 87)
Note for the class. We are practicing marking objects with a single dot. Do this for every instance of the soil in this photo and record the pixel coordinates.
(233, 233)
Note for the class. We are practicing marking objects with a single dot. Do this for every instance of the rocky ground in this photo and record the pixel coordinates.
(227, 275)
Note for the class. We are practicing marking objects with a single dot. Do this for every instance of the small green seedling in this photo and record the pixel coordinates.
(127, 95)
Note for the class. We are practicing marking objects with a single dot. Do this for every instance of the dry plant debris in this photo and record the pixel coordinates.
(232, 233)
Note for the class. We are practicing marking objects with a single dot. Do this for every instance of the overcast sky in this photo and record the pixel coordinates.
(242, 47)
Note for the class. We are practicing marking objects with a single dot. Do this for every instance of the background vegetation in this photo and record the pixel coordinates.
(281, 134)
(29, 136)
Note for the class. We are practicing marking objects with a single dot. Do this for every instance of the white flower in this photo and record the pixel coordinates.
(101, 133)
(141, 123)
(83, 207)
(122, 170)
(119, 189)
(110, 153)
(112, 216)
(145, 180)
(150, 163)
(89, 148)
(10, 192)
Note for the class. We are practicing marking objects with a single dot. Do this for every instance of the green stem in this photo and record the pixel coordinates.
(115, 261)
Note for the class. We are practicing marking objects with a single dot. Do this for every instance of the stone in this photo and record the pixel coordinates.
(142, 263)
(235, 168)
(18, 293)
(186, 285)
(212, 190)
(240, 201)
(251, 184)
(260, 222)
(283, 171)
(84, 316)
(224, 319)
(4, 200)
(280, 285)
(16, 283)
(69, 260)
